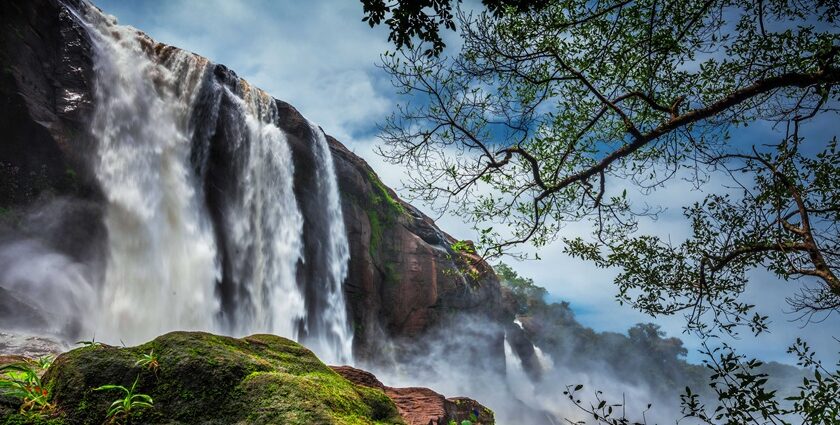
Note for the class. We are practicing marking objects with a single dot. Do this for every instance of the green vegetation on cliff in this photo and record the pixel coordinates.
(382, 211)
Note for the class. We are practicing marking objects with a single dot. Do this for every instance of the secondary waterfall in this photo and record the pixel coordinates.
(263, 220)
(191, 248)
(333, 320)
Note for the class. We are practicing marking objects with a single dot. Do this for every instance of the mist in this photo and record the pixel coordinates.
(48, 279)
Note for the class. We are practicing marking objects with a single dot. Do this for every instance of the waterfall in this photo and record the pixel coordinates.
(546, 363)
(204, 230)
(161, 266)
(263, 221)
(544, 360)
(335, 331)
(515, 375)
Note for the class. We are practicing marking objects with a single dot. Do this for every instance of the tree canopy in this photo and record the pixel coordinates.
(413, 21)
(561, 112)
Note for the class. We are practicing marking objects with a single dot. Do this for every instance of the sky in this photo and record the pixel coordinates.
(320, 57)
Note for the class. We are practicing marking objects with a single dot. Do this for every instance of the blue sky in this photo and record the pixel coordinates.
(320, 57)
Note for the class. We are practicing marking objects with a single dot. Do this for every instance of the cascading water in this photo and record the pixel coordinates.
(546, 363)
(263, 220)
(544, 360)
(200, 249)
(334, 332)
(161, 267)
(517, 378)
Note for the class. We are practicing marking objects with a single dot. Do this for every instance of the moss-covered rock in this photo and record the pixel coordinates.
(209, 379)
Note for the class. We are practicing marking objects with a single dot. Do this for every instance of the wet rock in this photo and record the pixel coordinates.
(14, 344)
(422, 406)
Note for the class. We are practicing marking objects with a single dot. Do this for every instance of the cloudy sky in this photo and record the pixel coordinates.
(320, 57)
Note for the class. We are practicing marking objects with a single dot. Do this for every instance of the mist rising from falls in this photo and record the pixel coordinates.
(192, 246)
(47, 281)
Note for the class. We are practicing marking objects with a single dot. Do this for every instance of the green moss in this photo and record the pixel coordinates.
(382, 408)
(375, 231)
(391, 273)
(382, 211)
(210, 379)
(382, 194)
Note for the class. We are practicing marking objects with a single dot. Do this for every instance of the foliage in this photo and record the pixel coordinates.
(123, 408)
(463, 246)
(744, 397)
(603, 411)
(383, 194)
(149, 361)
(44, 362)
(23, 382)
(524, 291)
(421, 19)
(467, 263)
(382, 211)
(559, 114)
(564, 113)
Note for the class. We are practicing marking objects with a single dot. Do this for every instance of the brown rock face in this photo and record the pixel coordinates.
(405, 278)
(422, 406)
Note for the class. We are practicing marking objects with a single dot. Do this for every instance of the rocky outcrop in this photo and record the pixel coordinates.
(200, 378)
(422, 406)
(405, 278)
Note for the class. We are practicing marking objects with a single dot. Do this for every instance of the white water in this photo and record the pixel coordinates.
(265, 224)
(161, 267)
(339, 338)
(163, 264)
(546, 363)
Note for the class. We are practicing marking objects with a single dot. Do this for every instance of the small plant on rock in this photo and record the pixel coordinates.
(122, 409)
(44, 362)
(22, 382)
(149, 361)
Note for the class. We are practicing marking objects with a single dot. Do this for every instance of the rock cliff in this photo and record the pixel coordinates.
(404, 276)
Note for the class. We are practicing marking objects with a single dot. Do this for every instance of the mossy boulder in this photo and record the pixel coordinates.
(210, 379)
